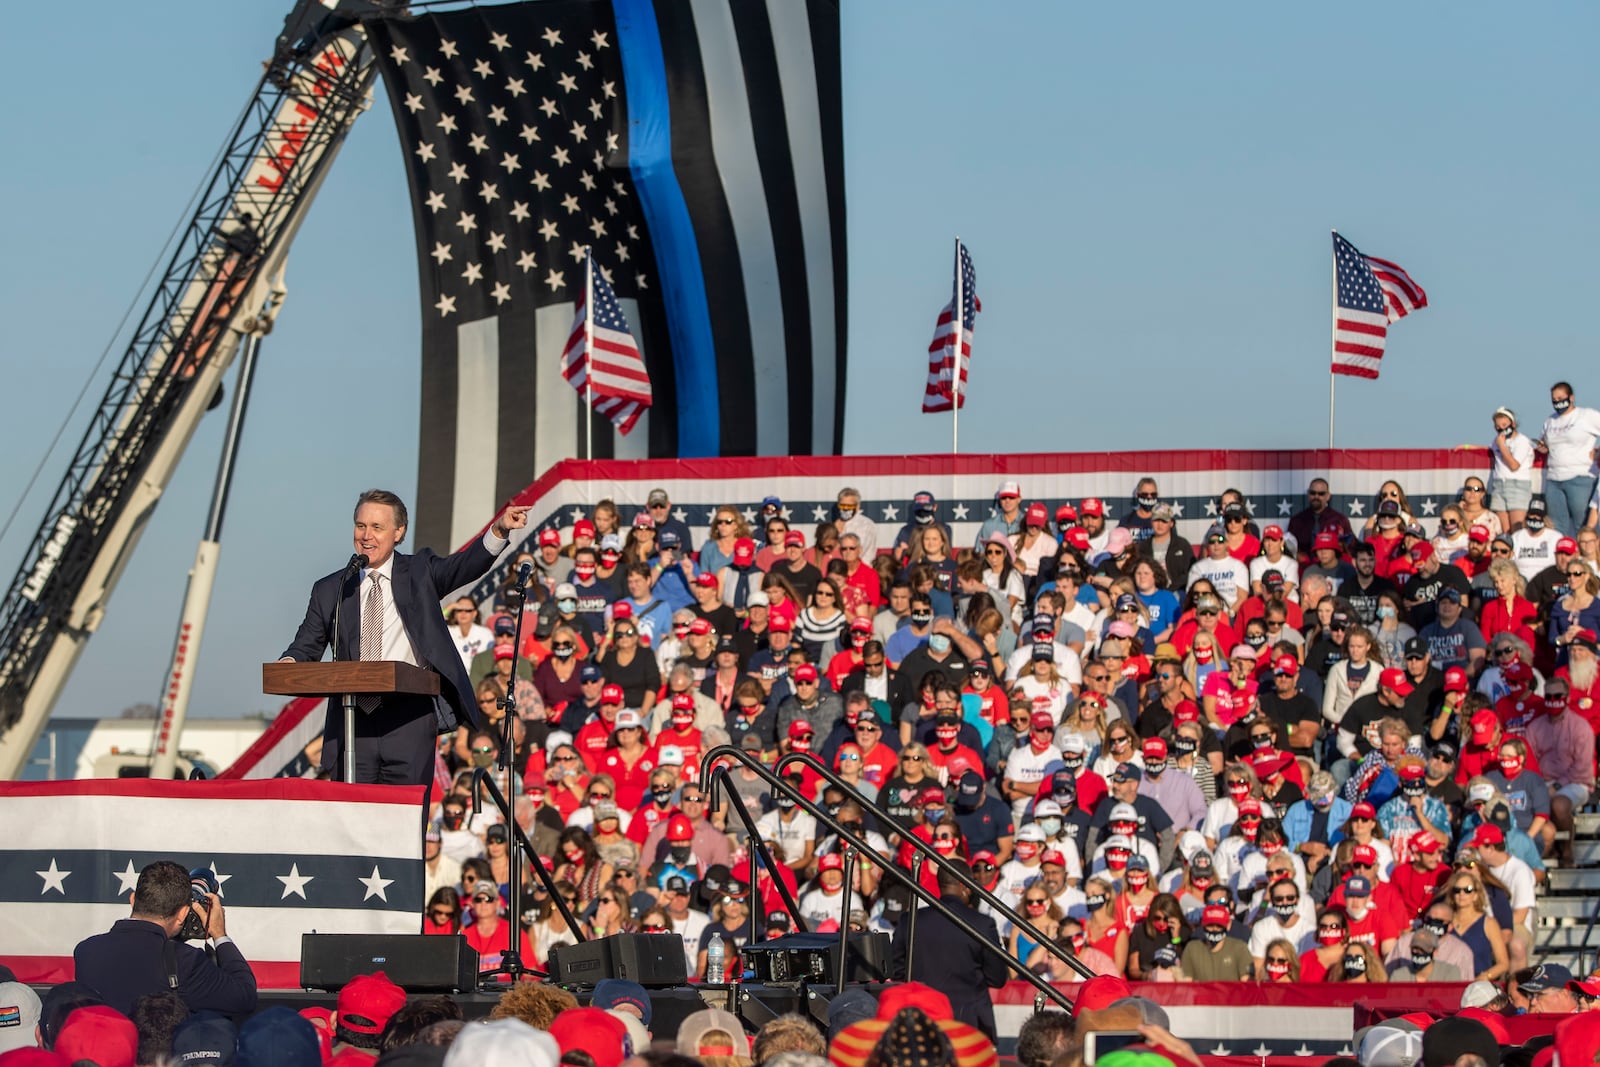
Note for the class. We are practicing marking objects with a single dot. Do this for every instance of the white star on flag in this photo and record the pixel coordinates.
(54, 878)
(376, 885)
(294, 882)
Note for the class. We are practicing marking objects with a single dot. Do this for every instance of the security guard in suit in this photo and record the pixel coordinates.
(138, 955)
(947, 959)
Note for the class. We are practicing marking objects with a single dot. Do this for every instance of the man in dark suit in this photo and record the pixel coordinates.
(138, 955)
(950, 961)
(396, 736)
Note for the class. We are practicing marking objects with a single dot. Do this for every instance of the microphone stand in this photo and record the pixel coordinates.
(511, 962)
(347, 700)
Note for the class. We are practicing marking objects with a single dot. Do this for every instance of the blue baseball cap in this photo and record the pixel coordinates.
(589, 672)
(614, 992)
(1357, 886)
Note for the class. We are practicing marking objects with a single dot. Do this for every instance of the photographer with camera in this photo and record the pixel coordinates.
(148, 951)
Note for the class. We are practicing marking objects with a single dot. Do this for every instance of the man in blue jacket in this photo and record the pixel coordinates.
(139, 955)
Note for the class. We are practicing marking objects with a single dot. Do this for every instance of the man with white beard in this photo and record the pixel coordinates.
(1582, 673)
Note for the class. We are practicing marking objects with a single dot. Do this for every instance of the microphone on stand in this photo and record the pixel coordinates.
(515, 592)
(358, 560)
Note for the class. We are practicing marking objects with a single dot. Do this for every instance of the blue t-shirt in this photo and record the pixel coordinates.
(1163, 608)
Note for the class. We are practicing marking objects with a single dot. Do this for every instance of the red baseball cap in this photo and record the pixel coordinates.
(679, 828)
(1326, 539)
(781, 624)
(1364, 855)
(1041, 719)
(706, 580)
(1078, 538)
(1216, 915)
(805, 673)
(1066, 514)
(1249, 806)
(367, 1002)
(1412, 772)
(985, 856)
(933, 794)
(1035, 515)
(830, 861)
(1363, 810)
(621, 610)
(96, 1032)
(1286, 664)
(1517, 671)
(701, 626)
(1395, 678)
(744, 550)
(549, 537)
(1567, 547)
(801, 728)
(1425, 842)
(1154, 748)
(1487, 834)
(1092, 506)
(1186, 711)
(861, 625)
(1483, 724)
(794, 537)
(583, 528)
(1479, 534)
(611, 694)
(1420, 551)
(682, 701)
(1455, 680)
(643, 521)
(1272, 533)
(1053, 855)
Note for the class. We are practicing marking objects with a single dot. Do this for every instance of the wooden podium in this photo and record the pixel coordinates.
(344, 681)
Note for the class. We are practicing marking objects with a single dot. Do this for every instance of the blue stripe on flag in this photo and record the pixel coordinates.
(678, 271)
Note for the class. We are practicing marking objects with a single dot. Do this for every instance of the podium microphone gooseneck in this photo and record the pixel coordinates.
(358, 560)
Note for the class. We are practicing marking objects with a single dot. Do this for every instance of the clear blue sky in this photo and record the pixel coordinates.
(1147, 192)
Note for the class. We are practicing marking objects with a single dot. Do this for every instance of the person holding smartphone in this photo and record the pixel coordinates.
(1511, 477)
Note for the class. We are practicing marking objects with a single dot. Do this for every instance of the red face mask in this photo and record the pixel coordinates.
(584, 571)
(1274, 877)
(1026, 850)
(947, 735)
(1248, 830)
(944, 845)
(1330, 937)
(1038, 907)
(1159, 924)
(1200, 882)
(1511, 767)
(682, 721)
(1277, 970)
(1238, 792)
(1203, 655)
(1271, 848)
(1117, 860)
(1137, 880)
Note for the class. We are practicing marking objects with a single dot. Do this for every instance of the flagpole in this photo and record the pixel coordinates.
(955, 374)
(1333, 340)
(588, 375)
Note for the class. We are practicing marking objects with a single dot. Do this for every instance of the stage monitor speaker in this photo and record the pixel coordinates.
(655, 961)
(418, 963)
(815, 958)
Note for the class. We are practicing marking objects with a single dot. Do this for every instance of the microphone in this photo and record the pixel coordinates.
(357, 561)
(517, 590)
(524, 572)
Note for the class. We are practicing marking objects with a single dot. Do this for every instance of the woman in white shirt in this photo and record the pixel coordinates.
(1511, 479)
(1568, 443)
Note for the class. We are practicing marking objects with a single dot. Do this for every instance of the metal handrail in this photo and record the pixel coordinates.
(931, 853)
(718, 776)
(482, 777)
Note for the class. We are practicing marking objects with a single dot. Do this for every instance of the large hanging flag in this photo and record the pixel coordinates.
(1369, 294)
(698, 147)
(601, 360)
(947, 367)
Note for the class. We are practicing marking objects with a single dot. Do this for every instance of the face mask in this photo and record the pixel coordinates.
(1386, 611)
(585, 571)
(939, 643)
(1277, 970)
(846, 514)
(1562, 405)
(1265, 742)
(1185, 745)
(1271, 848)
(1510, 767)
(1038, 907)
(921, 618)
(453, 820)
(662, 796)
(1137, 880)
(1147, 501)
(1026, 850)
(1356, 911)
(1116, 861)
(1322, 803)
(1238, 792)
(1355, 965)
(1050, 826)
(1412, 789)
(483, 759)
(1255, 640)
(944, 845)
(1072, 762)
(1213, 936)
(1095, 903)
(1329, 937)
(1436, 927)
(1286, 912)
(1154, 768)
(680, 854)
(1203, 655)
(933, 815)
(1533, 522)
(565, 651)
(567, 605)
(1248, 830)
(785, 802)
(1159, 924)
(1420, 959)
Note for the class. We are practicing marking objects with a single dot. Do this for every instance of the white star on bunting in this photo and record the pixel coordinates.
(294, 882)
(54, 878)
(377, 885)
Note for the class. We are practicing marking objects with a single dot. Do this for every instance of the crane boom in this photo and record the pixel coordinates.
(213, 292)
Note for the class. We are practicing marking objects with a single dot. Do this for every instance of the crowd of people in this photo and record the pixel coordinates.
(1326, 750)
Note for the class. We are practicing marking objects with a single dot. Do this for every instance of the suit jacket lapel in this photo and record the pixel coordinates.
(350, 619)
(404, 604)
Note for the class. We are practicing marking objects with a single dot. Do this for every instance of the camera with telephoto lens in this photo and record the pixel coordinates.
(202, 881)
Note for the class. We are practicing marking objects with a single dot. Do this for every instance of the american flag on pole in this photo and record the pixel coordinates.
(601, 359)
(1370, 293)
(947, 376)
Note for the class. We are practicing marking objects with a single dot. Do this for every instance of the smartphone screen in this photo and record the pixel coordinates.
(1104, 1042)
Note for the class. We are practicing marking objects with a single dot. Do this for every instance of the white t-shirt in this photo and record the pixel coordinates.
(1569, 437)
(1068, 665)
(1533, 552)
(817, 906)
(1042, 696)
(1300, 933)
(1521, 450)
(478, 639)
(1043, 547)
(1014, 588)
(1015, 876)
(691, 926)
(1226, 575)
(1025, 765)
(793, 835)
(1286, 565)
(1517, 877)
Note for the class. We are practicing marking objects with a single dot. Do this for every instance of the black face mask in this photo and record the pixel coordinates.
(1255, 640)
(1355, 965)
(1286, 912)
(662, 796)
(1562, 405)
(1147, 501)
(453, 819)
(1434, 927)
(1213, 936)
(1095, 903)
(1420, 959)
(1412, 790)
(921, 618)
(785, 802)
(1184, 745)
(565, 652)
(1533, 522)
(680, 854)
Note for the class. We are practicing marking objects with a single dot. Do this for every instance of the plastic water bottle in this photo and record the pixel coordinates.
(715, 956)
